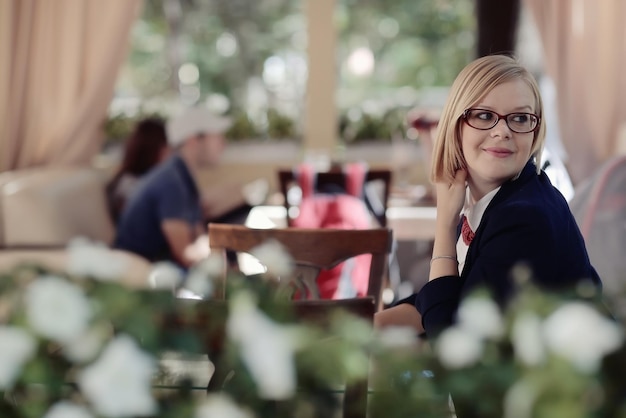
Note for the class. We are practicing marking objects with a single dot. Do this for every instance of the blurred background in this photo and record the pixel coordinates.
(304, 80)
(311, 76)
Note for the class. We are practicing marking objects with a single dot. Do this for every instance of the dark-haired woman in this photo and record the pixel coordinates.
(145, 148)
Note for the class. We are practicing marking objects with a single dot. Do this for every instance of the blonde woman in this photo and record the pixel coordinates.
(495, 208)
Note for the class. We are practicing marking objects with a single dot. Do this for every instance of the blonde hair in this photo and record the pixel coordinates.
(472, 84)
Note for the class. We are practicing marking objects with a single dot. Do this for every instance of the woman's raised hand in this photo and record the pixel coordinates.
(450, 199)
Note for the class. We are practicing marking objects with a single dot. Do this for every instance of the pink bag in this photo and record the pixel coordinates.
(339, 211)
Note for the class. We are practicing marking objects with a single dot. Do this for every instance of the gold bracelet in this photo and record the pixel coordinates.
(437, 257)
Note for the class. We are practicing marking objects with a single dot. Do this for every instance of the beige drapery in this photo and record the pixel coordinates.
(58, 65)
(584, 45)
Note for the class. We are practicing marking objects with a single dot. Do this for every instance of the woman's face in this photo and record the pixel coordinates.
(498, 154)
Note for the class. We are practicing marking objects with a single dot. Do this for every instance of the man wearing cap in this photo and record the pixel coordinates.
(164, 216)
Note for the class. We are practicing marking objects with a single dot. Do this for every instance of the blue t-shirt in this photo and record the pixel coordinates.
(168, 192)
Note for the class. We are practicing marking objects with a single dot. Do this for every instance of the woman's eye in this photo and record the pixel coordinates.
(520, 118)
(484, 115)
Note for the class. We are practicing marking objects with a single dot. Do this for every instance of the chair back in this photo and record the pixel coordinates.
(318, 248)
(336, 177)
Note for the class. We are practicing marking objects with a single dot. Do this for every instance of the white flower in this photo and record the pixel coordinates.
(272, 254)
(118, 384)
(457, 348)
(221, 406)
(57, 309)
(527, 339)
(86, 346)
(66, 409)
(520, 400)
(398, 337)
(16, 348)
(86, 258)
(200, 278)
(579, 333)
(267, 348)
(179, 365)
(481, 316)
(165, 275)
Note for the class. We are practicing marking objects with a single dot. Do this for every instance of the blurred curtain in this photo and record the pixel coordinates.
(59, 63)
(584, 44)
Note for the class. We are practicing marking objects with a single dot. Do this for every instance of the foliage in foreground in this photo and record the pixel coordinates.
(79, 344)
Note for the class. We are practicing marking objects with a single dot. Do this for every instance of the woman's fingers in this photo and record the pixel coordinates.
(451, 197)
(460, 177)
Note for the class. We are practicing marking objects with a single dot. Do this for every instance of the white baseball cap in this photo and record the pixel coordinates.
(194, 121)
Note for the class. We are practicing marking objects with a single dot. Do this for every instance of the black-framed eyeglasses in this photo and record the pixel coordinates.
(484, 119)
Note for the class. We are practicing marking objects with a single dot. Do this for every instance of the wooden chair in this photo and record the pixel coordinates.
(313, 249)
(287, 178)
(318, 248)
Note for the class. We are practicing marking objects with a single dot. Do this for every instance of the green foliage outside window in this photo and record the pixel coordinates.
(227, 48)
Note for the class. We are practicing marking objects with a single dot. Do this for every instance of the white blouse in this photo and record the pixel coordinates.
(474, 212)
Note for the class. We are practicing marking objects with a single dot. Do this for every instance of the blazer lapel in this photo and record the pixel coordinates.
(503, 194)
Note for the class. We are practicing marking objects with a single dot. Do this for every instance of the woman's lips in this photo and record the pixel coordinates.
(498, 152)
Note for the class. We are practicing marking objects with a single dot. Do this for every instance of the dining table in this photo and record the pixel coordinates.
(408, 223)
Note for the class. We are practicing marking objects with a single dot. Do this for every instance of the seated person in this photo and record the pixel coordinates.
(496, 209)
(145, 148)
(164, 217)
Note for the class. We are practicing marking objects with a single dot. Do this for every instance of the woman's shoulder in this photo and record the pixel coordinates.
(524, 211)
(534, 192)
(532, 200)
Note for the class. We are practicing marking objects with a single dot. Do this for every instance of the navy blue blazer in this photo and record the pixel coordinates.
(528, 221)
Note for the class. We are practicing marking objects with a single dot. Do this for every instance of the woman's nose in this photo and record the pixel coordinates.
(501, 129)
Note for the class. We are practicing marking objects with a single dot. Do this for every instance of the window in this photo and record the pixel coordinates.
(248, 58)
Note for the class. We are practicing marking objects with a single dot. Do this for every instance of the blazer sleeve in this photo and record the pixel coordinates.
(511, 236)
